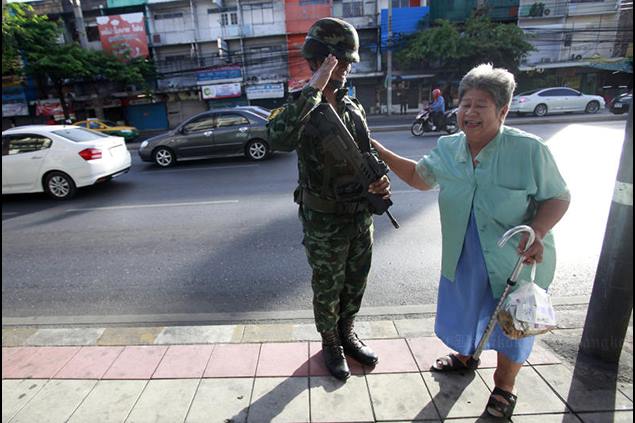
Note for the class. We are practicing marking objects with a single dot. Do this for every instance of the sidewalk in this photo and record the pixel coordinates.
(274, 372)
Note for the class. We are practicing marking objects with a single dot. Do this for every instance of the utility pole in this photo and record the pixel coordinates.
(389, 59)
(79, 23)
(611, 302)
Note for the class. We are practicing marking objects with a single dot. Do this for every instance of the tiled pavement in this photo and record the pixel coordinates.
(263, 373)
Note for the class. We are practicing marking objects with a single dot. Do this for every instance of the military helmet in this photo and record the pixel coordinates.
(331, 36)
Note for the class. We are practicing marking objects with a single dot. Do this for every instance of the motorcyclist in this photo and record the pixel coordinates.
(437, 109)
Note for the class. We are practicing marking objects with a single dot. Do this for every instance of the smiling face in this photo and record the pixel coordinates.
(478, 117)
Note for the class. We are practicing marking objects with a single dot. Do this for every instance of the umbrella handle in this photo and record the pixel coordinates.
(506, 237)
(511, 281)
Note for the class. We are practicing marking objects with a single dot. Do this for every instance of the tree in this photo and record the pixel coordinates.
(30, 46)
(105, 67)
(445, 47)
(24, 33)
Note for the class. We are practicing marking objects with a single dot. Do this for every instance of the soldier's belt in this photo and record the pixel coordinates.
(330, 206)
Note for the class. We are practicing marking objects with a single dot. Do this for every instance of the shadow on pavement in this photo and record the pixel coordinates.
(450, 388)
(594, 387)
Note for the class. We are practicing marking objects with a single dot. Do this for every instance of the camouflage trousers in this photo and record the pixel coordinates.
(339, 251)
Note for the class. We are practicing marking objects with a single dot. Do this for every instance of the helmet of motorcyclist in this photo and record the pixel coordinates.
(436, 93)
(331, 36)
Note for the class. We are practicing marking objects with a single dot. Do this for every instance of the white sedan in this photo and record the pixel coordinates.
(555, 100)
(59, 159)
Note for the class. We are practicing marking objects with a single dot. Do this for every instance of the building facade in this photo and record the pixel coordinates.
(577, 44)
(216, 53)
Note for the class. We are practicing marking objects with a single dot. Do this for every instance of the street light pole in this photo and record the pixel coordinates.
(79, 23)
(611, 302)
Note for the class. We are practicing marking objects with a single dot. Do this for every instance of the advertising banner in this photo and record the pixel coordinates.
(255, 92)
(221, 91)
(221, 74)
(123, 33)
(14, 101)
(52, 108)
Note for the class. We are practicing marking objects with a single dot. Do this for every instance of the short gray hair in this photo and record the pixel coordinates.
(498, 82)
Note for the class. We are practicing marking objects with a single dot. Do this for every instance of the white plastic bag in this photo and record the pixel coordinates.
(527, 311)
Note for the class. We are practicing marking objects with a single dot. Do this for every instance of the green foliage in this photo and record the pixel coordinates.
(25, 33)
(104, 66)
(30, 47)
(481, 41)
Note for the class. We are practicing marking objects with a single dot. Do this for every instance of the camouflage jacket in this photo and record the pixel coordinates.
(288, 130)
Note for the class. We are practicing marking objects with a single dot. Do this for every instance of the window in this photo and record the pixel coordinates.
(549, 93)
(174, 15)
(24, 143)
(94, 125)
(310, 2)
(352, 8)
(79, 134)
(258, 13)
(568, 38)
(230, 18)
(202, 123)
(92, 32)
(231, 120)
(568, 92)
(406, 3)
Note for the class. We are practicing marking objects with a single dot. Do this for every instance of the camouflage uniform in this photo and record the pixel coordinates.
(338, 244)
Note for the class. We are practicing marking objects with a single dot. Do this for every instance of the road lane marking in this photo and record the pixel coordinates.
(142, 206)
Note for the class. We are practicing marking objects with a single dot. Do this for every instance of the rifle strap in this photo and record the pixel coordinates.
(361, 129)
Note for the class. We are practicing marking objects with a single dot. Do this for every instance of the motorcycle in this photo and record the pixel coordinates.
(423, 122)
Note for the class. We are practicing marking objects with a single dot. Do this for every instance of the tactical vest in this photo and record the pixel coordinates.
(327, 183)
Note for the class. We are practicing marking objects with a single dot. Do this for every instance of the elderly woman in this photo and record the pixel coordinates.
(491, 178)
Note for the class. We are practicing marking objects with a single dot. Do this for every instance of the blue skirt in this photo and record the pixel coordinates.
(465, 306)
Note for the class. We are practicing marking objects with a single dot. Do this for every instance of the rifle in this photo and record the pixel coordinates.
(368, 169)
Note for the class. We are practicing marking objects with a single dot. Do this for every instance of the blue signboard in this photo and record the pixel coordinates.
(405, 20)
(222, 74)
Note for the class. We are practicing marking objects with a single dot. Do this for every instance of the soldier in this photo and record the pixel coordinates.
(337, 223)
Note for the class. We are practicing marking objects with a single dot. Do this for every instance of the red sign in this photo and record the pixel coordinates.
(121, 34)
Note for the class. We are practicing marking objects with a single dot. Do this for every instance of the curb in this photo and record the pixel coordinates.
(391, 312)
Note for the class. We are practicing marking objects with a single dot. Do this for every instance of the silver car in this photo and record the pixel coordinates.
(215, 133)
(555, 100)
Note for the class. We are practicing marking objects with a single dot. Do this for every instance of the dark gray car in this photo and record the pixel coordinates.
(215, 133)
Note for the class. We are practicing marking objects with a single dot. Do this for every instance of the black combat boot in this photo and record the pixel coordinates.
(334, 355)
(353, 346)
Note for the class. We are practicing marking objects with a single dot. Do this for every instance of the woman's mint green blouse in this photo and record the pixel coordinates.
(514, 172)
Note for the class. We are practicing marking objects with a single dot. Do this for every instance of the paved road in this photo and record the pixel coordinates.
(221, 236)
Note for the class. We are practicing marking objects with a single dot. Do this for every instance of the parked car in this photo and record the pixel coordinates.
(555, 100)
(107, 127)
(621, 103)
(215, 133)
(59, 159)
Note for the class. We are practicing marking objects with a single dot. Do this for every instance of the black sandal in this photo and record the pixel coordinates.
(452, 363)
(498, 408)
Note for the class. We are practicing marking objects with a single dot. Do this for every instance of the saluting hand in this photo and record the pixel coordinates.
(322, 76)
